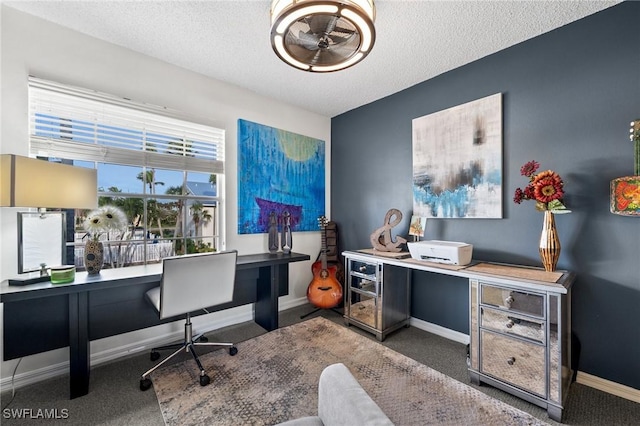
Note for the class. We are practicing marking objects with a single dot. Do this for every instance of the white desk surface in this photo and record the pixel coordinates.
(561, 286)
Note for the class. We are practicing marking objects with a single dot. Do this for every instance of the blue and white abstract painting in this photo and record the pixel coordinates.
(457, 161)
(279, 171)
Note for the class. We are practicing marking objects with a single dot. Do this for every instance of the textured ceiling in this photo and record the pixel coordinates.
(229, 41)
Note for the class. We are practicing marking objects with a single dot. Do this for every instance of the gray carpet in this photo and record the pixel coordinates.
(114, 397)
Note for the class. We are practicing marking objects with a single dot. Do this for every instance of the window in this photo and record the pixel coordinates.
(165, 172)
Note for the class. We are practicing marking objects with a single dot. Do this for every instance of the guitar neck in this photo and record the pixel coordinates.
(323, 248)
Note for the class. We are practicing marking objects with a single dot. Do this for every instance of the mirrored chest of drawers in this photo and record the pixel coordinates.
(521, 338)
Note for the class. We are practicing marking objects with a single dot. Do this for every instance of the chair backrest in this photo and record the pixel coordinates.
(196, 281)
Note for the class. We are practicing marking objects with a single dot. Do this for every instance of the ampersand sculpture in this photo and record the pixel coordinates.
(381, 238)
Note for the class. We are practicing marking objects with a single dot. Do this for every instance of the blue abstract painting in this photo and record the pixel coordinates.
(457, 161)
(279, 171)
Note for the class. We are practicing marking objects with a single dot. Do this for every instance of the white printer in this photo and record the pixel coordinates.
(449, 252)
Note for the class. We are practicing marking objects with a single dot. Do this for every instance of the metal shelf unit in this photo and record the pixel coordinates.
(377, 296)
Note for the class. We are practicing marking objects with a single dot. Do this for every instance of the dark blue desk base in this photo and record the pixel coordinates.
(44, 317)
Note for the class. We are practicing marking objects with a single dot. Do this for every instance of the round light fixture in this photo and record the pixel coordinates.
(322, 35)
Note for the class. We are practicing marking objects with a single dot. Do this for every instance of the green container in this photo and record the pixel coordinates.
(63, 274)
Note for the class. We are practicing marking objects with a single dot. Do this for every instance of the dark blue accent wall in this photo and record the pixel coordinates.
(568, 98)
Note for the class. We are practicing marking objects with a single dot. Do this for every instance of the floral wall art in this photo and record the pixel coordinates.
(625, 191)
(279, 171)
(457, 161)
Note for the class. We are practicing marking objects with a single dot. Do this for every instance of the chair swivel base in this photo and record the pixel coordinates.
(187, 346)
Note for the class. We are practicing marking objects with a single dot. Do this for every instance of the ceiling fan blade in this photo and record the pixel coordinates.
(321, 24)
(305, 55)
(340, 52)
(337, 39)
(343, 30)
(307, 40)
(330, 56)
(322, 57)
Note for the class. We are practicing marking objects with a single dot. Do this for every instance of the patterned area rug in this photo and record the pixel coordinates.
(274, 378)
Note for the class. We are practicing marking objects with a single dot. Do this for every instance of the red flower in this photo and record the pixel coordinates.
(547, 186)
(518, 196)
(528, 193)
(529, 168)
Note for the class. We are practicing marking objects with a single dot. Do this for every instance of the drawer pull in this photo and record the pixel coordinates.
(508, 301)
(363, 268)
(511, 361)
(512, 321)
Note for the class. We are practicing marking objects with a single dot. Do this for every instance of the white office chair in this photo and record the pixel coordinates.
(192, 283)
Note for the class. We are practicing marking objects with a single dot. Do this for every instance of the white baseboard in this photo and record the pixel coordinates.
(283, 305)
(607, 386)
(436, 329)
(35, 376)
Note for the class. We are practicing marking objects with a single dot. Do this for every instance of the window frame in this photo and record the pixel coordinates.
(204, 155)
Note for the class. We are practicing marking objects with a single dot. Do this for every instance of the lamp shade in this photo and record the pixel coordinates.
(28, 182)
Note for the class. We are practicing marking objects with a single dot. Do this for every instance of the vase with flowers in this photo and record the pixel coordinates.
(547, 190)
(98, 224)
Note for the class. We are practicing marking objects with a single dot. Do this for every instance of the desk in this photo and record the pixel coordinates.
(41, 317)
(520, 319)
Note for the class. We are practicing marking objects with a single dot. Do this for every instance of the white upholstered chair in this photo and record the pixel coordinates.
(192, 283)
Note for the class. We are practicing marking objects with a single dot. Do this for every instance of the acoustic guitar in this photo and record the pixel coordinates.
(324, 291)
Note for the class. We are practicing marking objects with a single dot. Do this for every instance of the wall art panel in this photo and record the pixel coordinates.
(457, 161)
(279, 171)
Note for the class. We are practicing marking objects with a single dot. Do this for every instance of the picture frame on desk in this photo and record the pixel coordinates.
(41, 240)
(417, 226)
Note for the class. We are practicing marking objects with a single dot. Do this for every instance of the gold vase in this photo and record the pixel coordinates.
(93, 256)
(549, 243)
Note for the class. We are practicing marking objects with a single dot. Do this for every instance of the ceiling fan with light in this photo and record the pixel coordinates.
(322, 35)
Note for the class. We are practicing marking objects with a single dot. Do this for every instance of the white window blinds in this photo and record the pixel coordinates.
(80, 124)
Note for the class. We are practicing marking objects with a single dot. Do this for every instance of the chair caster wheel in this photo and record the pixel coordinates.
(145, 384)
(233, 350)
(154, 356)
(204, 380)
(203, 339)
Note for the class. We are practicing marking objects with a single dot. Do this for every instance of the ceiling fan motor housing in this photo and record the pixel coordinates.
(322, 35)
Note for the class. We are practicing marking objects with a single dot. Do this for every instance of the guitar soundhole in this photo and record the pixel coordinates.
(324, 273)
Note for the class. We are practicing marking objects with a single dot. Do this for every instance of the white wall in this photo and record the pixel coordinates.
(31, 46)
